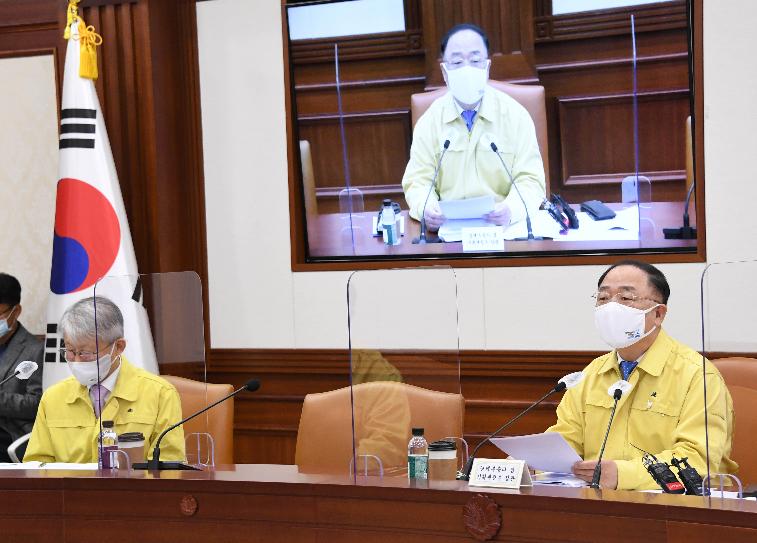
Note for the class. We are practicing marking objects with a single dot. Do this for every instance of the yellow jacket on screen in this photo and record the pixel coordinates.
(662, 414)
(470, 168)
(66, 429)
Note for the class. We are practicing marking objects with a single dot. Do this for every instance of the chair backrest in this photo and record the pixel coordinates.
(308, 178)
(740, 375)
(220, 420)
(324, 438)
(531, 97)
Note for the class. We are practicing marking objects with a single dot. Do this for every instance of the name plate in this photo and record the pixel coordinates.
(500, 473)
(483, 238)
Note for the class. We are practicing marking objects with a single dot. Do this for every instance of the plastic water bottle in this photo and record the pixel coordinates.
(109, 442)
(389, 224)
(417, 456)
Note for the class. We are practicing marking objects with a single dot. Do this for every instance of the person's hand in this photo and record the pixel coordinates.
(500, 215)
(609, 478)
(433, 215)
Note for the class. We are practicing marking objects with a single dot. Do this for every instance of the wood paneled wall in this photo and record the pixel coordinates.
(583, 61)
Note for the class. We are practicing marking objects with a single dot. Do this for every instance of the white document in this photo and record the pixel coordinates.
(452, 230)
(558, 479)
(470, 208)
(541, 224)
(546, 452)
(48, 465)
(623, 227)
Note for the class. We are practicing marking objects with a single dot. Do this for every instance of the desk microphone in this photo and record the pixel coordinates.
(512, 183)
(569, 381)
(686, 231)
(422, 239)
(23, 371)
(616, 391)
(156, 464)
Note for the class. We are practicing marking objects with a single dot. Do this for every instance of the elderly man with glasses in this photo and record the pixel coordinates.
(663, 413)
(103, 386)
(472, 115)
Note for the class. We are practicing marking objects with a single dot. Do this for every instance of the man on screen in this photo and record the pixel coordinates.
(472, 115)
(663, 413)
(68, 419)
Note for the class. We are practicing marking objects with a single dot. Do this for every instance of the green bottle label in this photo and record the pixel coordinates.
(417, 466)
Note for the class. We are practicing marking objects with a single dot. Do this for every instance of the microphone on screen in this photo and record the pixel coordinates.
(569, 381)
(616, 391)
(488, 139)
(422, 239)
(23, 371)
(156, 464)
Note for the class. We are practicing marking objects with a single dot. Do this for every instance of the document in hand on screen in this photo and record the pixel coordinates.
(546, 452)
(469, 208)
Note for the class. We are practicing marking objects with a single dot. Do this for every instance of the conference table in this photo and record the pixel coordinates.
(276, 503)
(339, 235)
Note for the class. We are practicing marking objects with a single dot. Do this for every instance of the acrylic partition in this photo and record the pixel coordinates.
(404, 365)
(729, 339)
(164, 333)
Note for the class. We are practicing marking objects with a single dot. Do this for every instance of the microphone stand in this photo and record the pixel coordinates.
(528, 215)
(598, 468)
(422, 239)
(686, 231)
(156, 464)
(465, 474)
(11, 376)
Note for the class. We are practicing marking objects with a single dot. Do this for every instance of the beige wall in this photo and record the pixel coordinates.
(28, 176)
(255, 299)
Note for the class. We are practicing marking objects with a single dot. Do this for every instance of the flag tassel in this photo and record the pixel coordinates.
(89, 40)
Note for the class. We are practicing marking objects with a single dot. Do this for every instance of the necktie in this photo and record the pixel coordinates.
(626, 368)
(468, 116)
(99, 395)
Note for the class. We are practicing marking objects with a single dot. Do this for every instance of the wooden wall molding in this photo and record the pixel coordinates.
(358, 47)
(361, 83)
(594, 64)
(609, 22)
(496, 385)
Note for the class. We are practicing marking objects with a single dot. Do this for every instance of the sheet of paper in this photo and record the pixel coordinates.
(470, 208)
(452, 230)
(541, 224)
(49, 465)
(623, 227)
(558, 479)
(545, 452)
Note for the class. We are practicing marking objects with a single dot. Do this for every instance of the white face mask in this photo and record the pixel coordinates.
(86, 372)
(4, 326)
(467, 84)
(619, 325)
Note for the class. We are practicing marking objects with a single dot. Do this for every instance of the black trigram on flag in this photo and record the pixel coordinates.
(77, 128)
(53, 344)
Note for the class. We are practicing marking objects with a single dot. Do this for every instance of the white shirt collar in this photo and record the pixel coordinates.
(110, 381)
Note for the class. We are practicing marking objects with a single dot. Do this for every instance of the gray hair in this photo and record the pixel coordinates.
(78, 321)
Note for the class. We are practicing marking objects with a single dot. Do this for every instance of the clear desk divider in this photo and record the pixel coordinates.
(404, 364)
(164, 333)
(729, 332)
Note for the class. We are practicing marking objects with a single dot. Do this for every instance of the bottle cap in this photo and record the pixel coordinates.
(442, 445)
(387, 203)
(418, 432)
(107, 424)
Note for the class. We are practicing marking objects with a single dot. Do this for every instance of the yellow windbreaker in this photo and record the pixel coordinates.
(662, 414)
(66, 429)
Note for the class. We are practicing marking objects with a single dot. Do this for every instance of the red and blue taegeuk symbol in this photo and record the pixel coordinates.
(87, 237)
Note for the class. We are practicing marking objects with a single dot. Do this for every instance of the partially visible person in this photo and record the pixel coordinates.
(663, 413)
(472, 115)
(68, 421)
(18, 398)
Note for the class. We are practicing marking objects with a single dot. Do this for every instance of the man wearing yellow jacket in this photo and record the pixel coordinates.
(68, 420)
(663, 413)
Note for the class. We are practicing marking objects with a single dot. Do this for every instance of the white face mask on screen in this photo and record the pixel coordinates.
(620, 325)
(467, 84)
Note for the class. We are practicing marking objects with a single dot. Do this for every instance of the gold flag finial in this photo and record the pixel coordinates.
(72, 12)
